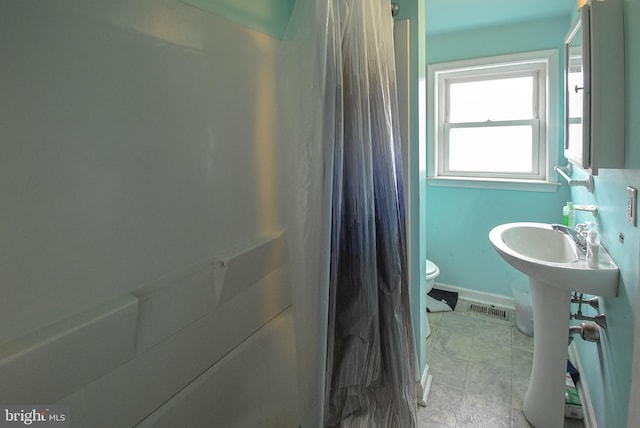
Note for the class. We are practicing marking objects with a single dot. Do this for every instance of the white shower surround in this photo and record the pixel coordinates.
(139, 143)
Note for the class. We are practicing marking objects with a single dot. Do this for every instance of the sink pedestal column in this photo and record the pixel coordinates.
(544, 401)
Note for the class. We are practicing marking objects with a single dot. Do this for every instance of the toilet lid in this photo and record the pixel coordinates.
(431, 267)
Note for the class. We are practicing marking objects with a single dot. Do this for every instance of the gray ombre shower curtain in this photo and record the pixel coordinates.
(346, 220)
(371, 367)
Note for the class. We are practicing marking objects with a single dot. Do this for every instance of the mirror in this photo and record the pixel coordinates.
(577, 92)
(594, 87)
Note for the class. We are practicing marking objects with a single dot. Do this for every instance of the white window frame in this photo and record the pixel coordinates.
(541, 64)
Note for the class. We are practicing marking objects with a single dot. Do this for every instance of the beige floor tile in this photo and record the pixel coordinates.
(481, 367)
(478, 412)
(444, 404)
(451, 343)
(449, 371)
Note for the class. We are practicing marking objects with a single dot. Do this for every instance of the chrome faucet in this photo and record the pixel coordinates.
(576, 234)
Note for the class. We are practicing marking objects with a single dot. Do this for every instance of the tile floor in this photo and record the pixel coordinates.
(481, 367)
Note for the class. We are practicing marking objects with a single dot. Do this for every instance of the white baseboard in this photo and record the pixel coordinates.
(583, 390)
(478, 296)
(425, 381)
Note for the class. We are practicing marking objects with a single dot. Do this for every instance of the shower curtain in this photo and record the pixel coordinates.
(371, 358)
(347, 220)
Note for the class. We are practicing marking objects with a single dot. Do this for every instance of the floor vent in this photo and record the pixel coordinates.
(489, 310)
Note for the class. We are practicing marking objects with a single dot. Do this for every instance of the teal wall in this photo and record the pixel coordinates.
(607, 365)
(267, 16)
(458, 220)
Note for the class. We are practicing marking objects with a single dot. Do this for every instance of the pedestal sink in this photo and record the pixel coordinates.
(552, 261)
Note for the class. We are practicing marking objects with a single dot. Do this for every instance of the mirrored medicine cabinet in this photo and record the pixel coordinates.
(594, 87)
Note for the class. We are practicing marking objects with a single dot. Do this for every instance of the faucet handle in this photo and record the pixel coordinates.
(581, 228)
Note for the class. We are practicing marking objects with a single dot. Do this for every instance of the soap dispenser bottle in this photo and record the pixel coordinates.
(593, 246)
(569, 215)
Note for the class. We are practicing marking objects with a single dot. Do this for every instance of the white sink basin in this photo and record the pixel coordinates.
(552, 257)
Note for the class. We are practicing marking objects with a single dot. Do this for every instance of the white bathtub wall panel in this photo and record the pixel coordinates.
(134, 390)
(252, 386)
(137, 139)
(171, 303)
(238, 268)
(48, 364)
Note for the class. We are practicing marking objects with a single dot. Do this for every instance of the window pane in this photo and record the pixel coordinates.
(498, 99)
(500, 149)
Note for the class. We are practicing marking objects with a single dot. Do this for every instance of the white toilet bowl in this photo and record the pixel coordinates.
(433, 305)
(432, 271)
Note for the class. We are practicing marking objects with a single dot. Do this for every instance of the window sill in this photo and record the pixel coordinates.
(495, 184)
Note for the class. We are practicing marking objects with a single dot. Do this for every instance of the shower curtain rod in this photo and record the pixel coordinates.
(395, 8)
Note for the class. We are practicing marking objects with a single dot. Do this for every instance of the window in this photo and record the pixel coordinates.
(491, 118)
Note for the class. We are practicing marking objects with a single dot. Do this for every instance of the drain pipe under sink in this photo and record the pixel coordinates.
(587, 331)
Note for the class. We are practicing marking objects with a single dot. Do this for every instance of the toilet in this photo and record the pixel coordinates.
(433, 305)
(432, 272)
